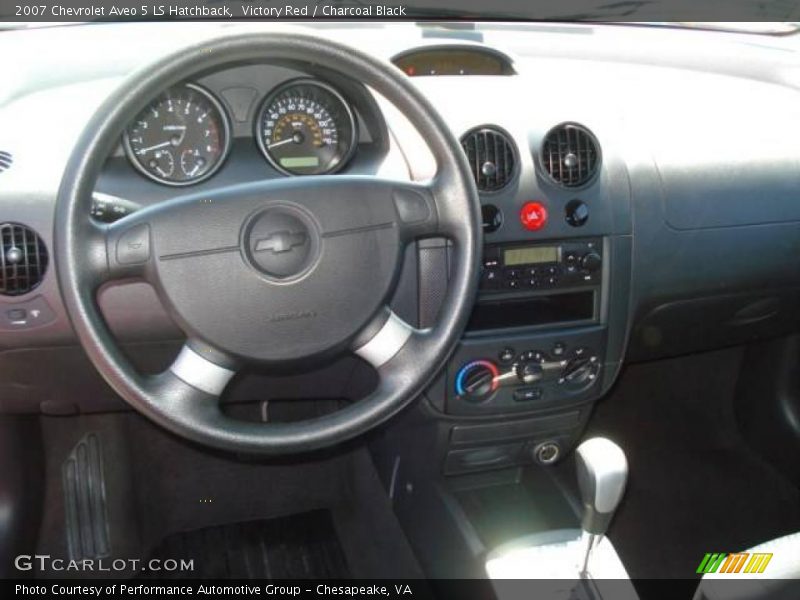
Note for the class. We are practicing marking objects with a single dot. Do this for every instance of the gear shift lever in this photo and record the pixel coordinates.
(602, 474)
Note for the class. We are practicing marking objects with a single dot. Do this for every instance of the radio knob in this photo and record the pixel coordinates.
(591, 261)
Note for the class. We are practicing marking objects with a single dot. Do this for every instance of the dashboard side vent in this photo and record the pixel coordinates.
(23, 259)
(492, 157)
(5, 160)
(570, 155)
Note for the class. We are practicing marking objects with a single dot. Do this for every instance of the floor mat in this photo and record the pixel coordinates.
(301, 546)
(158, 485)
(694, 485)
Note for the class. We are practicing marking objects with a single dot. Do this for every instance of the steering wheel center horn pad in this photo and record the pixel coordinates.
(272, 272)
(275, 272)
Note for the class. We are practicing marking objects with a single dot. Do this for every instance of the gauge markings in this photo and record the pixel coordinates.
(306, 128)
(165, 144)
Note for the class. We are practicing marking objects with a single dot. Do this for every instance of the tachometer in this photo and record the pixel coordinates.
(181, 138)
(305, 127)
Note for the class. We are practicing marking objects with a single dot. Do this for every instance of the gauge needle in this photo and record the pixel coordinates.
(281, 143)
(156, 147)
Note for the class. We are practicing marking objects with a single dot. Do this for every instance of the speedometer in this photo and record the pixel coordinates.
(181, 138)
(305, 127)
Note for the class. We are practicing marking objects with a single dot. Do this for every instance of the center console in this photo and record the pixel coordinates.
(536, 353)
(528, 286)
(486, 455)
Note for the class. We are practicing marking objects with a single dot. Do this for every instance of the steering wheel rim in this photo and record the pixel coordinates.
(184, 399)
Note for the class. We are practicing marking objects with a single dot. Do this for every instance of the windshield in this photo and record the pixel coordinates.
(767, 27)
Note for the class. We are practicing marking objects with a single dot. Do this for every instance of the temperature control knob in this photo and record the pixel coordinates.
(477, 380)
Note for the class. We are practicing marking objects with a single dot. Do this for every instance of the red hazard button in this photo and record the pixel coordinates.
(533, 216)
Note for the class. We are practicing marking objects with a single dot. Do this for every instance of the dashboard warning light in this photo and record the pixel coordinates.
(533, 216)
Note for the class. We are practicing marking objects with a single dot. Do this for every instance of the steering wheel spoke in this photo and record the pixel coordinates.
(382, 339)
(415, 204)
(129, 248)
(425, 210)
(393, 348)
(203, 368)
(118, 251)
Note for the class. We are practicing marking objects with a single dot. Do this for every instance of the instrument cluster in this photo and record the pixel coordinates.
(302, 127)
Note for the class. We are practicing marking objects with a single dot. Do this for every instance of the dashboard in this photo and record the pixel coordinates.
(635, 205)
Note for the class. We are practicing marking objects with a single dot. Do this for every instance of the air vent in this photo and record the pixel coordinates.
(23, 259)
(5, 160)
(570, 155)
(492, 157)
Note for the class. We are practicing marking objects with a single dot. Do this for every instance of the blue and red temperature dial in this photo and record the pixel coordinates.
(477, 379)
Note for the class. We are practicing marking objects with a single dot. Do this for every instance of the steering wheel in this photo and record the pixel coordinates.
(272, 272)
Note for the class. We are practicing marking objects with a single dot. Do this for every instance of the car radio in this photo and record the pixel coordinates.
(524, 267)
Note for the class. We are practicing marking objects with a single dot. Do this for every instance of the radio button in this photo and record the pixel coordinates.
(553, 270)
(552, 280)
(491, 277)
(531, 282)
(514, 273)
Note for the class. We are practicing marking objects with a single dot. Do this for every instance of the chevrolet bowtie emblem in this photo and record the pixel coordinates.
(281, 241)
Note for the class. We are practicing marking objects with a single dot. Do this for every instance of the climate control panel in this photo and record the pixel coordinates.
(540, 374)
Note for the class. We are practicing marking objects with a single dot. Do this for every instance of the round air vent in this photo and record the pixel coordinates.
(492, 157)
(23, 259)
(5, 160)
(570, 155)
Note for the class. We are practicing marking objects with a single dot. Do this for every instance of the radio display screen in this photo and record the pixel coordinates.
(531, 255)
